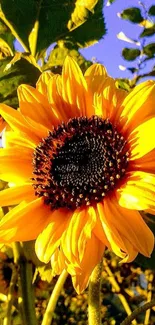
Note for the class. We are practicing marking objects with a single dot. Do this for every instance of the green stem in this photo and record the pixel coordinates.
(47, 320)
(94, 316)
(27, 294)
(138, 311)
(27, 306)
(17, 253)
(10, 298)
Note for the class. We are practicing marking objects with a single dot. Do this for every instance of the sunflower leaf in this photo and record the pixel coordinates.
(152, 10)
(12, 75)
(81, 20)
(148, 31)
(130, 54)
(123, 84)
(5, 49)
(58, 54)
(132, 14)
(6, 36)
(110, 2)
(149, 50)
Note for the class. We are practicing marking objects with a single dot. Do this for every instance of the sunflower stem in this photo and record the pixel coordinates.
(17, 252)
(47, 320)
(94, 315)
(27, 306)
(27, 293)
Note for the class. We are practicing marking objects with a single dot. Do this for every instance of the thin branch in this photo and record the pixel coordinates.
(47, 320)
(138, 311)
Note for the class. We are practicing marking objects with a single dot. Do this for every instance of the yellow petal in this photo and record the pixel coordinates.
(56, 100)
(108, 99)
(11, 139)
(43, 81)
(69, 238)
(16, 165)
(74, 89)
(131, 252)
(145, 163)
(94, 76)
(18, 123)
(49, 239)
(138, 106)
(57, 262)
(126, 223)
(150, 211)
(93, 254)
(24, 222)
(36, 106)
(15, 195)
(115, 242)
(142, 139)
(99, 231)
(138, 192)
(78, 232)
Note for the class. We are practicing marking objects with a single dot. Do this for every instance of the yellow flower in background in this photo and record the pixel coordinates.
(80, 159)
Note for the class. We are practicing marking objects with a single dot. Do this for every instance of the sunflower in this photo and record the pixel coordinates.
(79, 154)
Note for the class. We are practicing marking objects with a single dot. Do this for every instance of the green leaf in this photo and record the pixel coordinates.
(5, 49)
(149, 50)
(110, 2)
(6, 35)
(132, 14)
(81, 20)
(148, 31)
(130, 54)
(92, 30)
(151, 11)
(12, 76)
(58, 54)
(123, 84)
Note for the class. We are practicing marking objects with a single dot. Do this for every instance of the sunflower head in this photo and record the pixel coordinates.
(89, 157)
(79, 154)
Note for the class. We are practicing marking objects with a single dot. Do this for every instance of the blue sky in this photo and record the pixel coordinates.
(108, 50)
